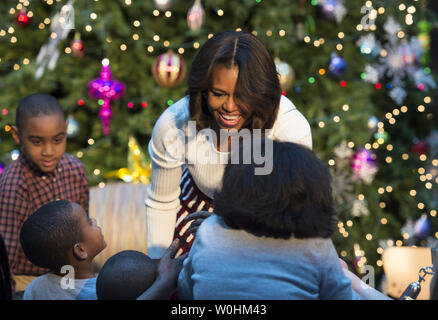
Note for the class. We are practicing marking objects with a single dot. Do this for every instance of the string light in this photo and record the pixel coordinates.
(311, 80)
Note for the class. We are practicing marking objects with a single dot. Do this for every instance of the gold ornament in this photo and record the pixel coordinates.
(286, 74)
(138, 171)
(169, 69)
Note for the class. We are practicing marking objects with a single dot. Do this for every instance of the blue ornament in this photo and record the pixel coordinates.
(329, 7)
(372, 123)
(337, 66)
(73, 127)
(1, 167)
(422, 228)
(15, 154)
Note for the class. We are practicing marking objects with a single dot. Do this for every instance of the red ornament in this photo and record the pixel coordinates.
(22, 19)
(77, 46)
(420, 147)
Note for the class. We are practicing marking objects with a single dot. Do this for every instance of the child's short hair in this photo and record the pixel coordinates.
(125, 276)
(36, 105)
(48, 234)
(295, 199)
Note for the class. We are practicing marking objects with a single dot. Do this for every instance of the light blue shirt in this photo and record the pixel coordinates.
(48, 287)
(229, 264)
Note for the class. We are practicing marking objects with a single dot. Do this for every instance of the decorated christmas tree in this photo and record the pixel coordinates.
(358, 71)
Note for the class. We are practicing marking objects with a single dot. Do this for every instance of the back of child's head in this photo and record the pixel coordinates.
(50, 233)
(295, 199)
(37, 105)
(125, 276)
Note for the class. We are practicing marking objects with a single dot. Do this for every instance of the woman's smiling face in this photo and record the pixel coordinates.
(226, 110)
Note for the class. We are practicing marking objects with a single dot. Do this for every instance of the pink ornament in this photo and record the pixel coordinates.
(363, 165)
(105, 90)
(195, 16)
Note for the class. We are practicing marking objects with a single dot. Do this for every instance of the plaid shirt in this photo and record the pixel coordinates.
(24, 189)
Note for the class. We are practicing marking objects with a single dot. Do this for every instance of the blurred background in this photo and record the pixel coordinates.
(362, 72)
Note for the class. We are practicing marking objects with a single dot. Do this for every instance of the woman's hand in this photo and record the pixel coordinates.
(356, 282)
(364, 291)
(168, 269)
(198, 218)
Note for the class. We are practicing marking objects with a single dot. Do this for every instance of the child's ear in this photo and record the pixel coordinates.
(15, 134)
(66, 124)
(79, 252)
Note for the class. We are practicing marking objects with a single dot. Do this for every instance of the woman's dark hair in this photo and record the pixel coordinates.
(5, 273)
(50, 233)
(257, 85)
(295, 199)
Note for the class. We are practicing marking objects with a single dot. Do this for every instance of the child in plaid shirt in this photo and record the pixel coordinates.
(43, 172)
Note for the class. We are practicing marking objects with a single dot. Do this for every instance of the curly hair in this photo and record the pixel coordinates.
(295, 199)
(49, 233)
(257, 84)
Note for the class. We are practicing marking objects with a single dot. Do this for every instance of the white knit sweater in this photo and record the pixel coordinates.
(169, 154)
